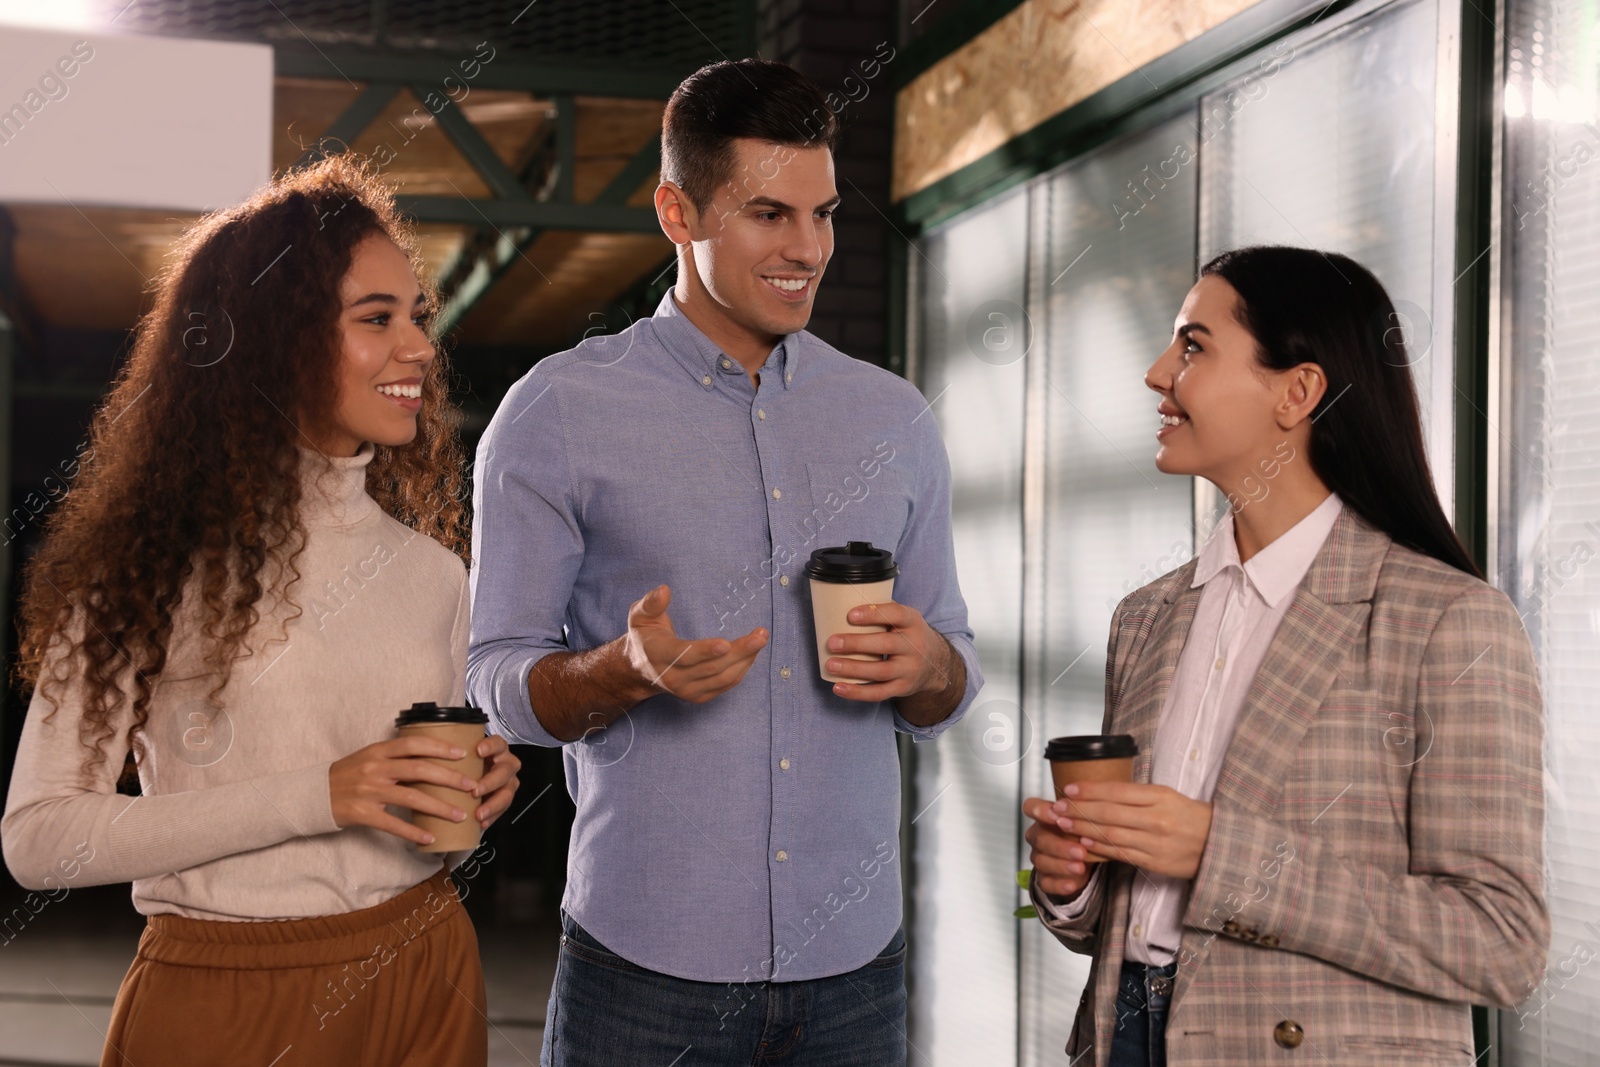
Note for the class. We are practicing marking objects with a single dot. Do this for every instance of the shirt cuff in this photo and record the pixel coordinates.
(510, 707)
(969, 657)
(1074, 908)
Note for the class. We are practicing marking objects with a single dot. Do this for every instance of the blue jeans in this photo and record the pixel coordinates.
(1143, 996)
(607, 1012)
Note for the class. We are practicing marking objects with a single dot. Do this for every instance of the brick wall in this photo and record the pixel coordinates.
(846, 47)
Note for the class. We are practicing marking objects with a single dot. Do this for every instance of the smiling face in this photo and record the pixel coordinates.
(386, 351)
(1222, 412)
(759, 248)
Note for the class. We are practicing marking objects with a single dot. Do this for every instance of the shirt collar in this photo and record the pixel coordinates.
(702, 358)
(1277, 569)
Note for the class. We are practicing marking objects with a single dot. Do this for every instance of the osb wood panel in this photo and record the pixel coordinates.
(1040, 59)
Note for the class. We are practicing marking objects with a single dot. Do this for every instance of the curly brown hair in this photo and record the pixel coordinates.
(192, 478)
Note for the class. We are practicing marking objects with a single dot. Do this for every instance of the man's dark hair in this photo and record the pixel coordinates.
(752, 98)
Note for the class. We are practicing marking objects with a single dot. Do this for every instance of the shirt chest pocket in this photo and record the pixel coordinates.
(848, 504)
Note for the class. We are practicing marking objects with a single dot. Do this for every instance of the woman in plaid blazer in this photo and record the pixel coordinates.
(1352, 853)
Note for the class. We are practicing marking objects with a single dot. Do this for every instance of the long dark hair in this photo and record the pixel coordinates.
(1304, 306)
(191, 486)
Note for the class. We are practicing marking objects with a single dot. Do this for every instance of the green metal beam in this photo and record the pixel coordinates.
(503, 70)
(628, 179)
(547, 214)
(479, 152)
(1475, 237)
(492, 267)
(566, 146)
(355, 118)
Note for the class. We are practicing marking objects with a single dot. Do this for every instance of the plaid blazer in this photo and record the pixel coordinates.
(1375, 861)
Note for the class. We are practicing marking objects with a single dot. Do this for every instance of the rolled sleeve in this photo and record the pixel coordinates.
(527, 547)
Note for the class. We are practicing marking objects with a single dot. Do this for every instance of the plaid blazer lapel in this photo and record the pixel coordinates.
(1329, 611)
(1149, 661)
(1155, 660)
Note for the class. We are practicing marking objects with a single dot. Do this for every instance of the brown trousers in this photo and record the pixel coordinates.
(395, 984)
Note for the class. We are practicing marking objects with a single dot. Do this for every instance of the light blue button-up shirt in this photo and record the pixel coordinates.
(755, 836)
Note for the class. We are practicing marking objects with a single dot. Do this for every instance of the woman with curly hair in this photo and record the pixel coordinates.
(257, 570)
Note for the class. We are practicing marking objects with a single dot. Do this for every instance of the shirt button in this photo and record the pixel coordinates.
(777, 494)
(784, 763)
(783, 579)
(1194, 754)
(706, 380)
(727, 364)
(1138, 931)
(760, 414)
(782, 855)
(784, 674)
(789, 377)
(1220, 661)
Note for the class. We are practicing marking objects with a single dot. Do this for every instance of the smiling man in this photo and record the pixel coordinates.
(734, 885)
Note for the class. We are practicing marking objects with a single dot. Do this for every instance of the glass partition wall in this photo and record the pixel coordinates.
(1546, 457)
(1033, 317)
(972, 336)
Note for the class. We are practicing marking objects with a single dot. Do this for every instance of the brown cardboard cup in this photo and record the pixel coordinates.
(1090, 758)
(455, 726)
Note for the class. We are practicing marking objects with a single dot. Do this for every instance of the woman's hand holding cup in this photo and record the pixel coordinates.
(498, 786)
(363, 784)
(1058, 856)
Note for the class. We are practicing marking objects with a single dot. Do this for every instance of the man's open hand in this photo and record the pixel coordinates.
(695, 671)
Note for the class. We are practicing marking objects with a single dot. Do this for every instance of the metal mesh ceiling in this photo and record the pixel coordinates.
(680, 33)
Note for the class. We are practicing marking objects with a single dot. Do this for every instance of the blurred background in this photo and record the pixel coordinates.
(1029, 188)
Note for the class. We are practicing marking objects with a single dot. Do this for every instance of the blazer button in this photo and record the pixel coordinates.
(1267, 941)
(1231, 928)
(1288, 1034)
(1247, 935)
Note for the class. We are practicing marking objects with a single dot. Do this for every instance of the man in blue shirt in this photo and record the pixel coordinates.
(733, 885)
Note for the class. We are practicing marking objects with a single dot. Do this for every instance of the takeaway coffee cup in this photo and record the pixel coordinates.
(464, 728)
(1090, 758)
(843, 578)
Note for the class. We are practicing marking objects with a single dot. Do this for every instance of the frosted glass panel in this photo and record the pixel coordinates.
(1331, 145)
(1120, 259)
(1549, 527)
(972, 335)
(1327, 141)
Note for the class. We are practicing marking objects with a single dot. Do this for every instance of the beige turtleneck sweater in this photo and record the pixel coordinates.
(235, 821)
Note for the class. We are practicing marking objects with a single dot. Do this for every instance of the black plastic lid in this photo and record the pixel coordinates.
(429, 712)
(1091, 746)
(852, 563)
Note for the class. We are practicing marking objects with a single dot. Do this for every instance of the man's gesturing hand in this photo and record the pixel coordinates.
(695, 671)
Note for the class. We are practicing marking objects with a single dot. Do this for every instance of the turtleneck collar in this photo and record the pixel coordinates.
(334, 488)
